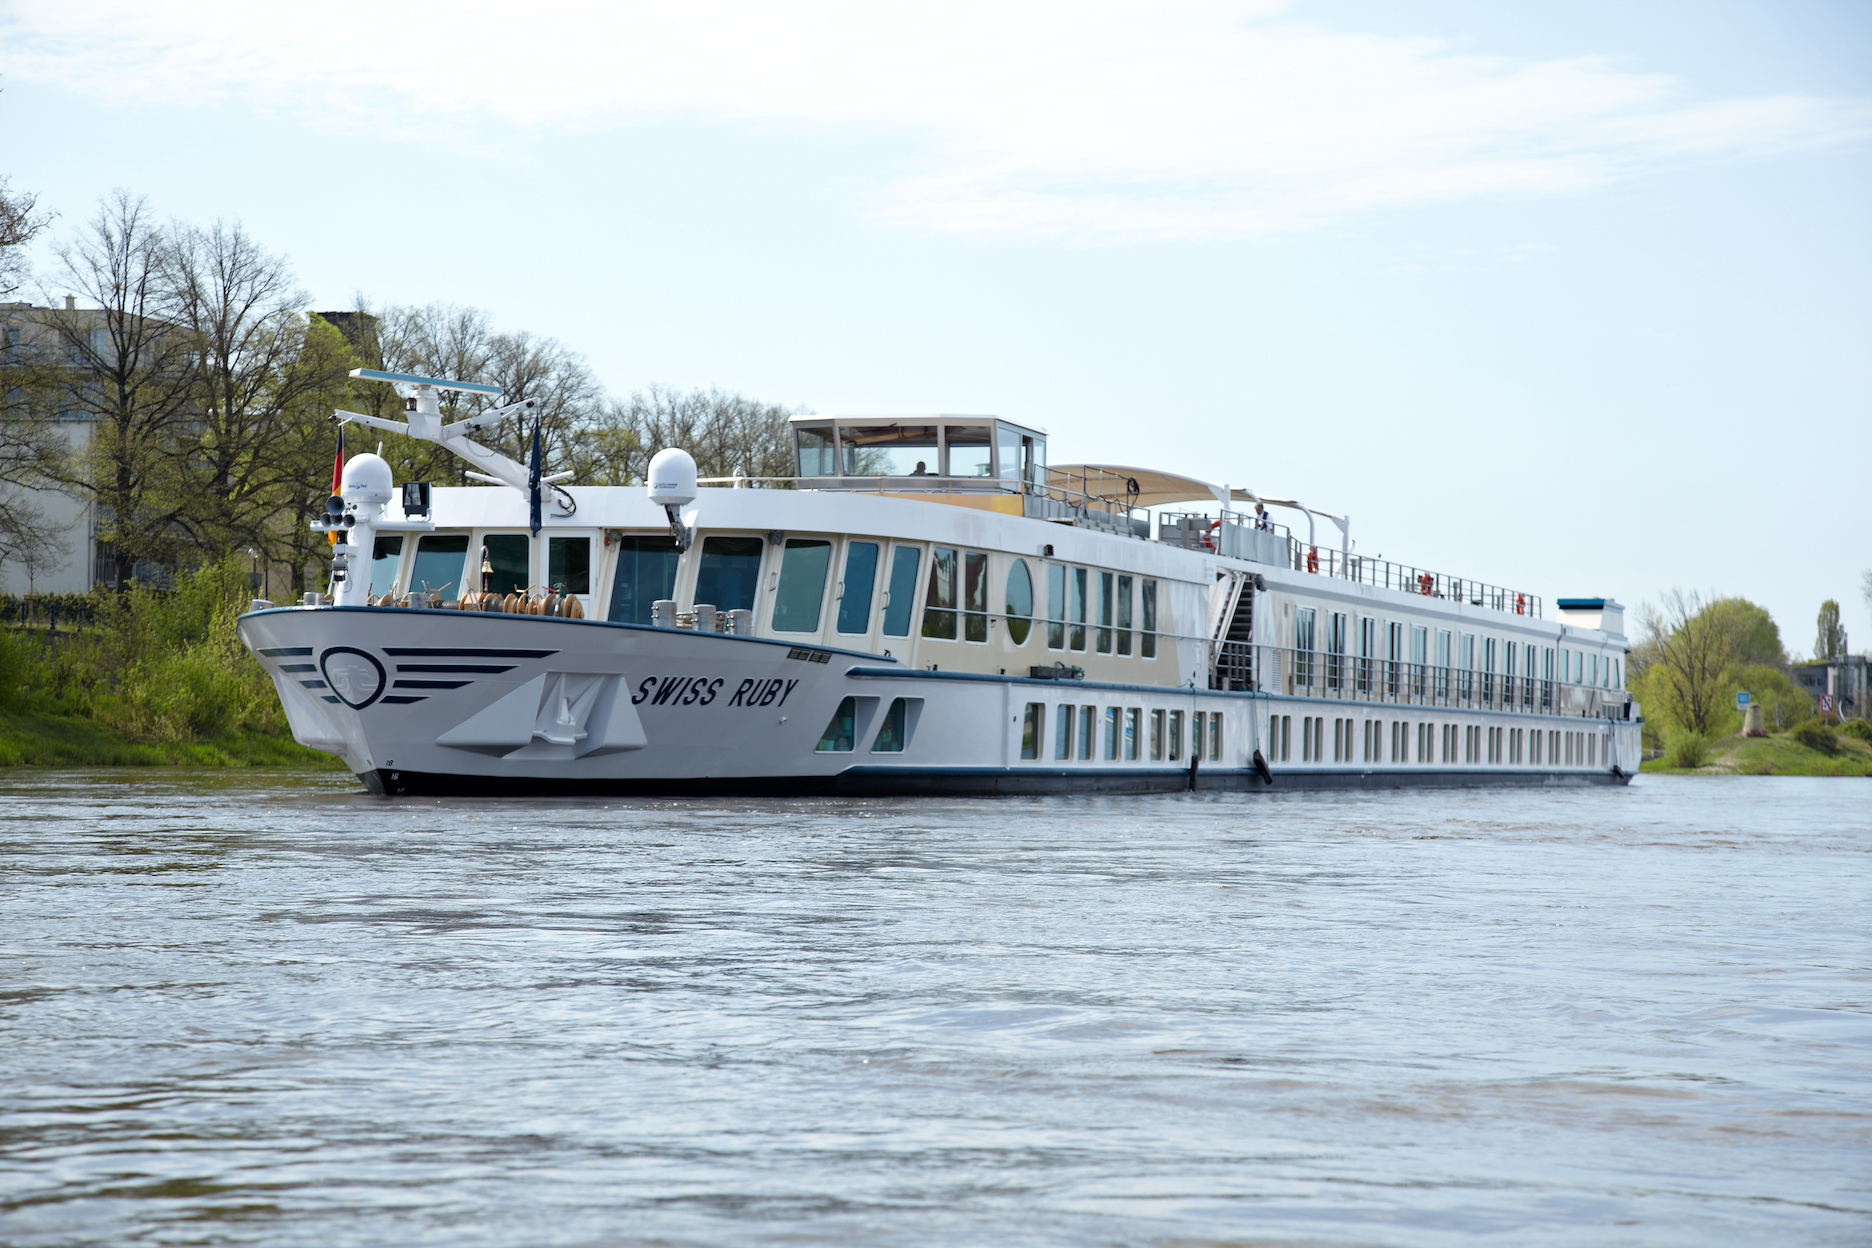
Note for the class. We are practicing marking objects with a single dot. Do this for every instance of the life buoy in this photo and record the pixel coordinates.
(1208, 538)
(1424, 583)
(1312, 558)
(1520, 605)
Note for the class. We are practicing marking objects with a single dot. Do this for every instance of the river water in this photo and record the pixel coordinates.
(270, 1010)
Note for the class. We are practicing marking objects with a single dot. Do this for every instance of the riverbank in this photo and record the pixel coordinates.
(1777, 755)
(47, 740)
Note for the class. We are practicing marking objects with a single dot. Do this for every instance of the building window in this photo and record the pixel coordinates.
(1032, 726)
(900, 598)
(1062, 733)
(854, 611)
(939, 615)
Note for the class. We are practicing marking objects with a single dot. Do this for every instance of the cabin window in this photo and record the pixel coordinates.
(1111, 734)
(1286, 737)
(1595, 671)
(1131, 726)
(1215, 736)
(1056, 606)
(1076, 632)
(1199, 720)
(1368, 649)
(1104, 612)
(1335, 651)
(386, 553)
(1063, 733)
(1147, 605)
(900, 598)
(1465, 668)
(1306, 739)
(974, 596)
(646, 573)
(568, 564)
(439, 559)
(1087, 714)
(511, 555)
(891, 737)
(1419, 657)
(854, 612)
(1488, 669)
(1008, 453)
(730, 572)
(970, 454)
(1032, 725)
(1156, 736)
(939, 617)
(817, 458)
(837, 737)
(803, 568)
(1176, 736)
(1124, 615)
(1394, 659)
(889, 450)
(1303, 648)
(1019, 602)
(1442, 664)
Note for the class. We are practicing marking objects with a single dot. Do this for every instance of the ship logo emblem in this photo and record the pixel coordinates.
(356, 677)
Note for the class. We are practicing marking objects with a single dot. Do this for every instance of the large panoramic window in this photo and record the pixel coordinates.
(889, 450)
(939, 615)
(816, 457)
(730, 572)
(900, 597)
(854, 612)
(646, 573)
(803, 569)
(439, 560)
(970, 454)
(1019, 602)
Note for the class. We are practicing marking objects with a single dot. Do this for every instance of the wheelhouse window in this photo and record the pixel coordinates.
(969, 450)
(439, 560)
(817, 456)
(803, 568)
(646, 573)
(1008, 453)
(386, 553)
(900, 597)
(861, 562)
(568, 564)
(974, 596)
(939, 613)
(1019, 602)
(730, 572)
(889, 450)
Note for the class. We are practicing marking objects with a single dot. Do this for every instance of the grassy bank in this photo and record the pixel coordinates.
(149, 679)
(1775, 755)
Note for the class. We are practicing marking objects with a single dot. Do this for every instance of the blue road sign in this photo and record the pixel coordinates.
(1742, 699)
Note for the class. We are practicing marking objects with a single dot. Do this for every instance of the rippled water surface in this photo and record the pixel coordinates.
(270, 1010)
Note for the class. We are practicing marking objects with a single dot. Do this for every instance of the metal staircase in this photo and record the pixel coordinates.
(1231, 647)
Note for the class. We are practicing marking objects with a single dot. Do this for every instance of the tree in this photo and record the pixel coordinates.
(1831, 640)
(1753, 635)
(727, 433)
(1688, 649)
(126, 369)
(20, 223)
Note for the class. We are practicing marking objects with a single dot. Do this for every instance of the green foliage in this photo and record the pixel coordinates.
(157, 669)
(1687, 749)
(1784, 703)
(1858, 730)
(1830, 635)
(1816, 736)
(1753, 636)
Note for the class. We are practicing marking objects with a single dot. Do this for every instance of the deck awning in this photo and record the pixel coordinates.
(1156, 488)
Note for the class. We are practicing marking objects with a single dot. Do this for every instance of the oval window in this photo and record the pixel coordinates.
(1019, 602)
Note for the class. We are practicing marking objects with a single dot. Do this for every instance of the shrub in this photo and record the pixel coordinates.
(1815, 736)
(1687, 749)
(1859, 730)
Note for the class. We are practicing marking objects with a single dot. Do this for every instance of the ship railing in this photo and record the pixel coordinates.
(1334, 676)
(1384, 574)
(1063, 499)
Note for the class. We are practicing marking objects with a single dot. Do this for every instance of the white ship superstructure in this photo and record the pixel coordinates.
(926, 606)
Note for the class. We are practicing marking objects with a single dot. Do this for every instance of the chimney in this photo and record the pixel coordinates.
(71, 303)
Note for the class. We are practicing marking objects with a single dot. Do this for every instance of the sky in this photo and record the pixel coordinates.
(1572, 298)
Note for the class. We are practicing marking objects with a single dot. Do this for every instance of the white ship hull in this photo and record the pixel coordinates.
(445, 702)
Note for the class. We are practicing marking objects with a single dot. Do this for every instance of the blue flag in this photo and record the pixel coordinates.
(533, 481)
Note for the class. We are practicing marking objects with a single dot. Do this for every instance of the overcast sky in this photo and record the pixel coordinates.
(1576, 298)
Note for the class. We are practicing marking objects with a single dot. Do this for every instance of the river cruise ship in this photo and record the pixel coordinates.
(928, 605)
